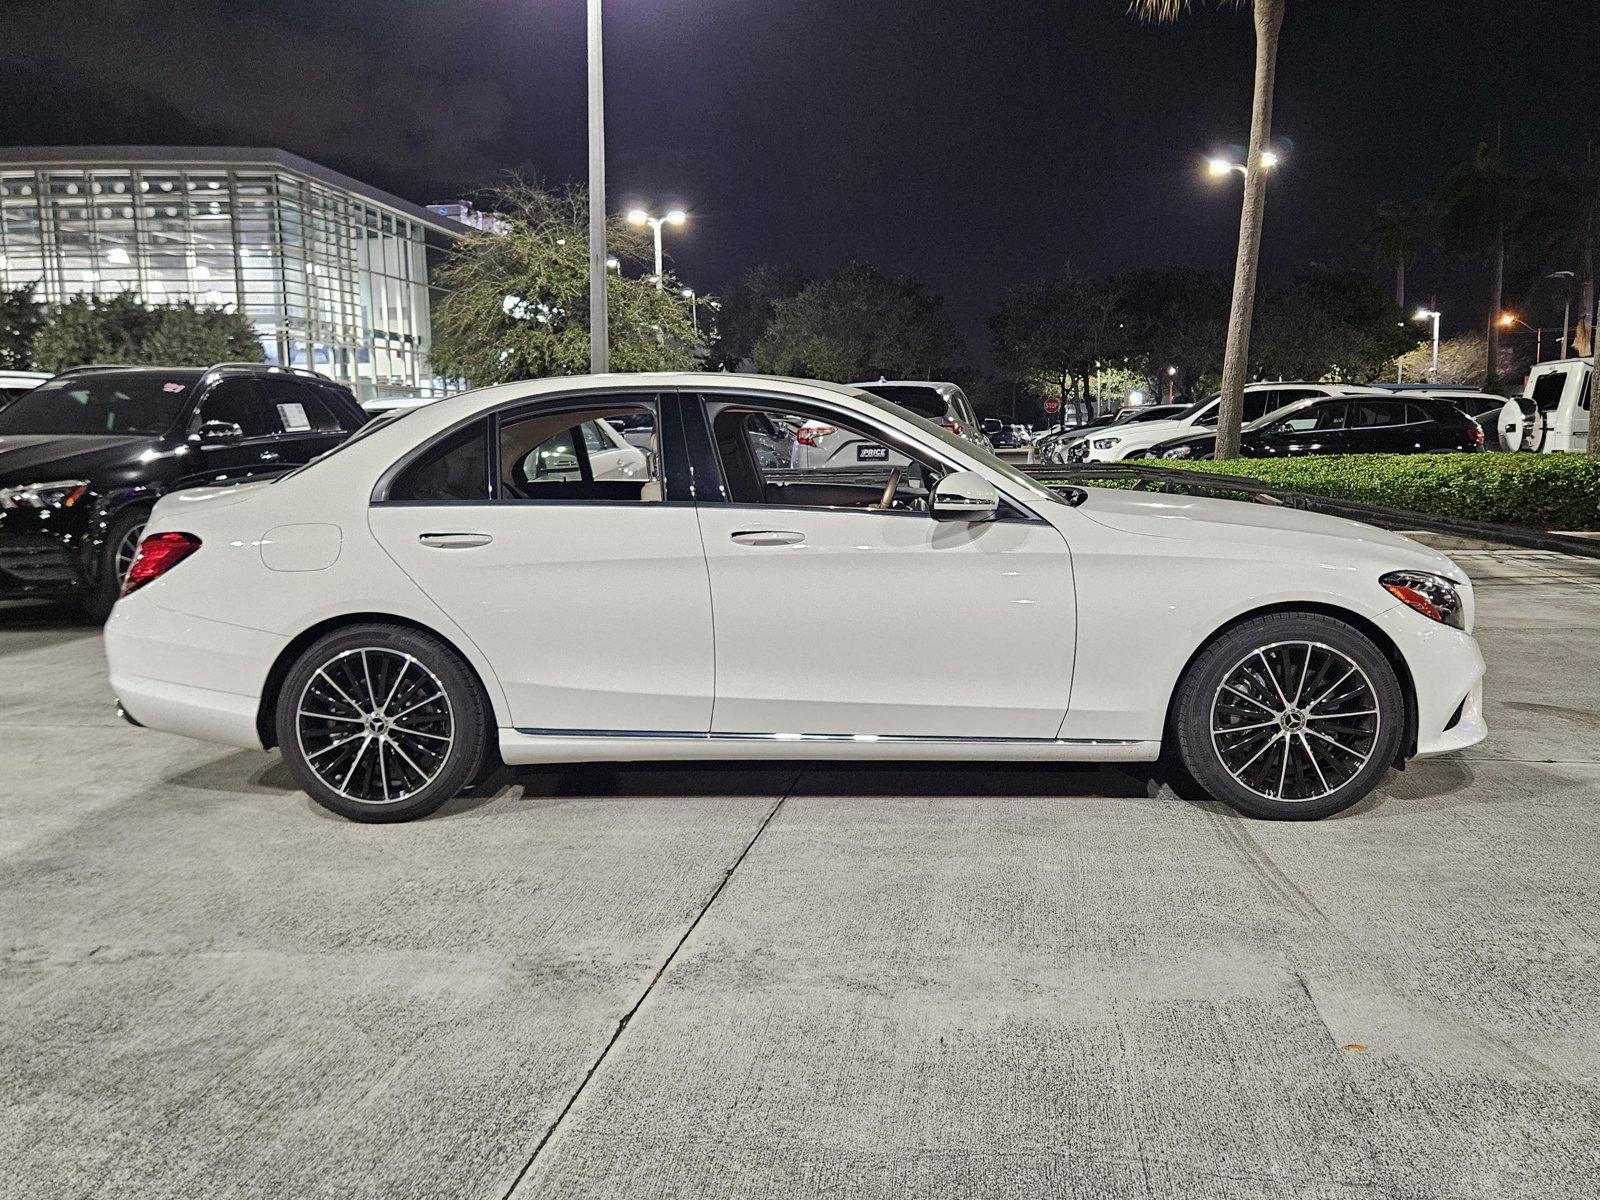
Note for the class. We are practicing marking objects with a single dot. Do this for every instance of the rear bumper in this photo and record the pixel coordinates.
(188, 675)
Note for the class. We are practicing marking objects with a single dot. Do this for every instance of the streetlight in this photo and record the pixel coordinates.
(1507, 320)
(599, 328)
(1425, 314)
(1224, 166)
(694, 308)
(1566, 316)
(639, 217)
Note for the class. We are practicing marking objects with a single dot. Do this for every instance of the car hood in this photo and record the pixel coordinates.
(1145, 433)
(1200, 519)
(42, 458)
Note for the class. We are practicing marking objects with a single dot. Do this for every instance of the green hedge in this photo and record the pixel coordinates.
(1543, 491)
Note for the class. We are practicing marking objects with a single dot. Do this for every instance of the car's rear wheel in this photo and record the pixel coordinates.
(1290, 715)
(382, 723)
(117, 552)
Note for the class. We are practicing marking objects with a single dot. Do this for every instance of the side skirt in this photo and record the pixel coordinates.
(528, 746)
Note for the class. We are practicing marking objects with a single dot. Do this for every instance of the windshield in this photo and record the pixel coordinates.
(970, 449)
(132, 405)
(1193, 412)
(926, 402)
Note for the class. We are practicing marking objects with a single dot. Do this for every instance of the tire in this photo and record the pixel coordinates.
(1292, 716)
(382, 723)
(112, 562)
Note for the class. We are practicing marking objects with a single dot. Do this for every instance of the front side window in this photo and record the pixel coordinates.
(579, 455)
(799, 460)
(1316, 418)
(240, 402)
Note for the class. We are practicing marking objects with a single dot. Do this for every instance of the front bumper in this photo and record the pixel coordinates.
(1447, 674)
(42, 553)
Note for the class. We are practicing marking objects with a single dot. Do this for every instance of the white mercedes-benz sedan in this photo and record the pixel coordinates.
(444, 592)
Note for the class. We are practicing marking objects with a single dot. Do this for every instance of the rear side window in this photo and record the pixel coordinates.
(454, 469)
(1376, 414)
(1547, 390)
(1417, 414)
(295, 408)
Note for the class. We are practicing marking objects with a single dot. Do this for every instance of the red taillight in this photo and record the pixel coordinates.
(157, 555)
(807, 435)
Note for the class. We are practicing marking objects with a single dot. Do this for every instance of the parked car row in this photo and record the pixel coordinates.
(85, 455)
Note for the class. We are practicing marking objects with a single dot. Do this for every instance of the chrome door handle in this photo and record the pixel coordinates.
(454, 541)
(270, 456)
(767, 537)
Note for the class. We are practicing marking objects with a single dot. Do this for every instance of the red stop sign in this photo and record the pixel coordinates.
(1052, 404)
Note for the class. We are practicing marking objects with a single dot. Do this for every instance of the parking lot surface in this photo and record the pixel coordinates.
(725, 981)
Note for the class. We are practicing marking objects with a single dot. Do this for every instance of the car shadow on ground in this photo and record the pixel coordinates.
(46, 623)
(1423, 787)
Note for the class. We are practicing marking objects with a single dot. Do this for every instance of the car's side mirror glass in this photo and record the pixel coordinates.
(964, 496)
(212, 434)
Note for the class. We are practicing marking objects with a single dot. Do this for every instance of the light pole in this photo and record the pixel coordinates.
(1566, 315)
(694, 308)
(1424, 314)
(639, 217)
(599, 325)
(1507, 320)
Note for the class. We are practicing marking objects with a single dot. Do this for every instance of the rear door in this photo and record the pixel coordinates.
(1380, 427)
(305, 423)
(586, 593)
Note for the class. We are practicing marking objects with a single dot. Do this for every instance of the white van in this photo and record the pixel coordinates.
(1552, 414)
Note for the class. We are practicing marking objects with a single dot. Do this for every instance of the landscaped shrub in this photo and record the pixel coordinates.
(1542, 491)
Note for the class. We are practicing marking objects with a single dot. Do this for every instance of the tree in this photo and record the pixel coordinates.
(1332, 324)
(1051, 334)
(1268, 18)
(86, 329)
(1176, 317)
(1461, 361)
(1561, 226)
(122, 329)
(518, 302)
(860, 324)
(20, 318)
(747, 310)
(1395, 233)
(1479, 204)
(184, 335)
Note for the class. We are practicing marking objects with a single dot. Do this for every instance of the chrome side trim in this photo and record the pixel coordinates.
(911, 739)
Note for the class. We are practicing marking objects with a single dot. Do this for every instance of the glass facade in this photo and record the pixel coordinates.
(332, 278)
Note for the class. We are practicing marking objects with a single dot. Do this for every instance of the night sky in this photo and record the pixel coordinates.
(976, 144)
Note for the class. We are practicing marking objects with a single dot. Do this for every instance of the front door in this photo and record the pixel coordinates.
(586, 593)
(1316, 429)
(843, 608)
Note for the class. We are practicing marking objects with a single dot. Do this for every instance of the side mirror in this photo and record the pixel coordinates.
(964, 496)
(216, 433)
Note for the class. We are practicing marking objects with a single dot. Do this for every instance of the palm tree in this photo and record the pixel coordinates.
(1562, 227)
(1397, 230)
(1268, 16)
(1479, 204)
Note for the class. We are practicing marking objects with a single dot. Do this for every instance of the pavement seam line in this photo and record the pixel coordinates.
(622, 1024)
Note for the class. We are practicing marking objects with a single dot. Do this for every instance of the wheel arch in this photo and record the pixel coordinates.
(284, 663)
(1385, 644)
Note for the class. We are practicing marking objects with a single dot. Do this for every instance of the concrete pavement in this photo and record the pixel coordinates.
(794, 981)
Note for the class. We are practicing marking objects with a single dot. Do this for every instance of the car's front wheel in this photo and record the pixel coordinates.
(116, 555)
(1290, 715)
(382, 722)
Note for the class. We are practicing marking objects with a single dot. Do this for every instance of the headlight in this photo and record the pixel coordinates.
(63, 493)
(1434, 596)
(1106, 443)
(1179, 452)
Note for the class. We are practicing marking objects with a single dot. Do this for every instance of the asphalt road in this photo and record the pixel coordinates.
(699, 982)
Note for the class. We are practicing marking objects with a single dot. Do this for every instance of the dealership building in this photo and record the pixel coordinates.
(334, 274)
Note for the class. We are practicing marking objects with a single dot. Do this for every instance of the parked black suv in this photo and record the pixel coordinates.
(1350, 424)
(85, 456)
